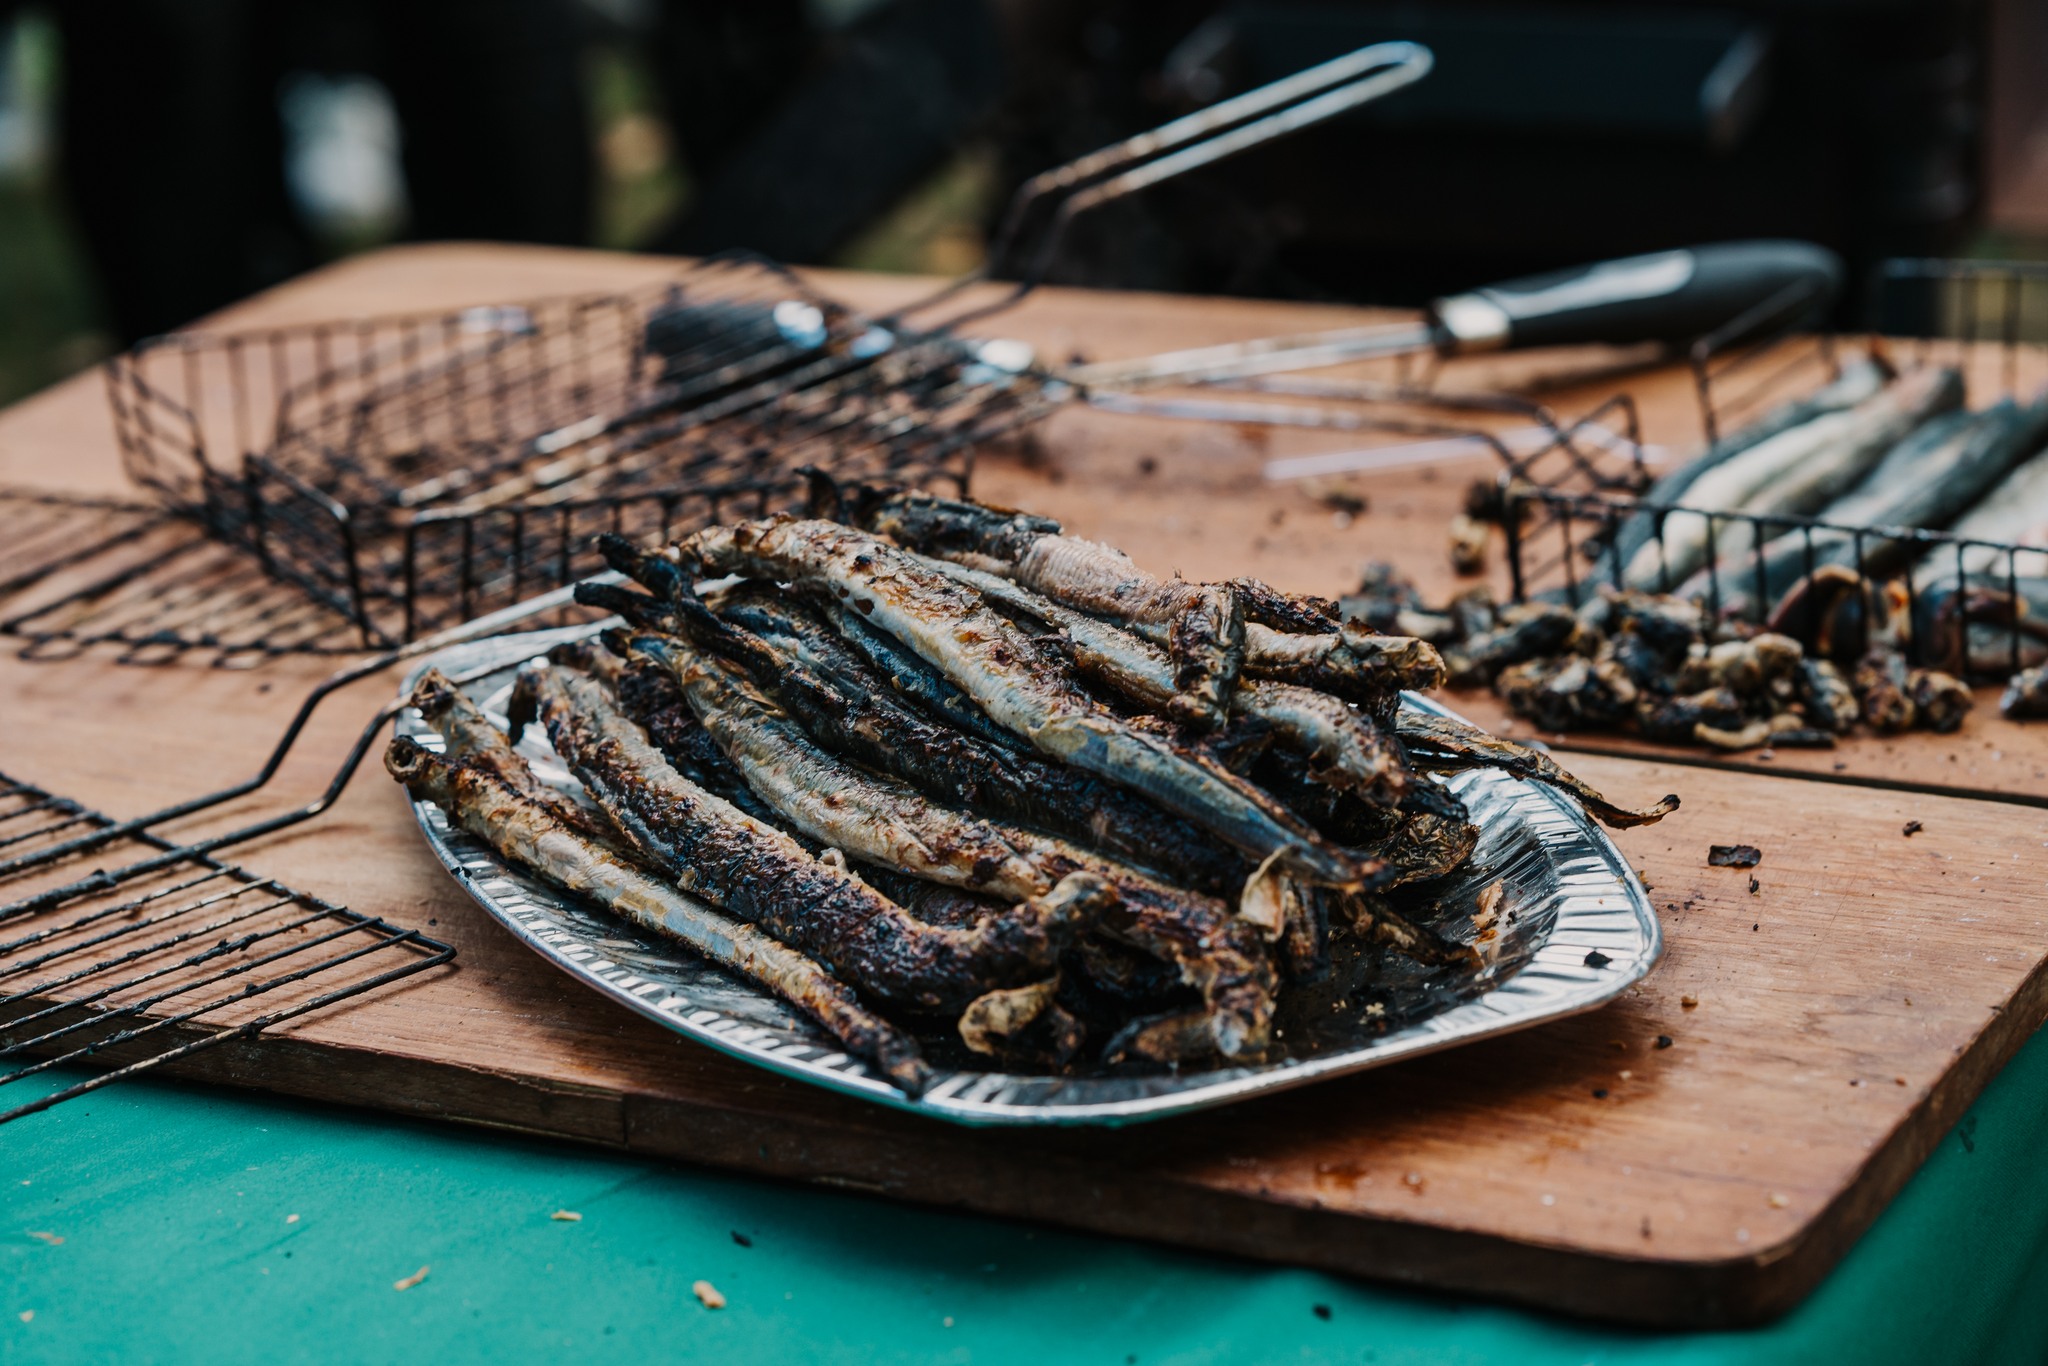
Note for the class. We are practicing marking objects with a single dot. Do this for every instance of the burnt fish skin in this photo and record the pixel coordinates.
(1794, 474)
(1928, 480)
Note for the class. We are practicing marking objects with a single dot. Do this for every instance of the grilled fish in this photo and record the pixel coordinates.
(2014, 512)
(1791, 474)
(1858, 381)
(793, 658)
(1926, 481)
(892, 824)
(1344, 748)
(758, 873)
(1189, 620)
(529, 833)
(1445, 744)
(995, 664)
(1199, 624)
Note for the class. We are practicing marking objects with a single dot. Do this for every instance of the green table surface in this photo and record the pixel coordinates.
(202, 1224)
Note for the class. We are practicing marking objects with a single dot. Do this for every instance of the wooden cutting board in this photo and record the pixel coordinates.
(1824, 1029)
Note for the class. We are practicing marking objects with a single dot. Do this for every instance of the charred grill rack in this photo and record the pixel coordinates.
(165, 953)
(1989, 319)
(429, 469)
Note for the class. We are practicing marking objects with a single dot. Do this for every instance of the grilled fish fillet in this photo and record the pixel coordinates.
(529, 833)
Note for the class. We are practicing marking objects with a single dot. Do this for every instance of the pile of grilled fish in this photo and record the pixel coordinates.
(945, 779)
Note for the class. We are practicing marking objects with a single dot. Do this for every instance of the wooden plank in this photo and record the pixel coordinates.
(1784, 1080)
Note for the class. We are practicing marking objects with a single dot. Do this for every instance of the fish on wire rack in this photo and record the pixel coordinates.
(1926, 482)
(1791, 474)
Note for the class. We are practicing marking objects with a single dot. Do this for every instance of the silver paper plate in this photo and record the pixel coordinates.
(1575, 930)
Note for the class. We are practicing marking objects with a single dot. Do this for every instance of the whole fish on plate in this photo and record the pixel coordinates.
(2015, 512)
(1859, 380)
(1926, 482)
(1793, 474)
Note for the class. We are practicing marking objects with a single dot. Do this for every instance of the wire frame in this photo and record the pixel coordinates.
(157, 952)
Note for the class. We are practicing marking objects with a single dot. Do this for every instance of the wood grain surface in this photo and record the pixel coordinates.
(1826, 1029)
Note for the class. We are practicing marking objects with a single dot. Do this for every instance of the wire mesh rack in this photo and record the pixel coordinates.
(159, 951)
(1975, 607)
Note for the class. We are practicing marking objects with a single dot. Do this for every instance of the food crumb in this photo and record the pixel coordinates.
(1664, 1040)
(946, 1322)
(27, 1315)
(1625, 1074)
(1734, 855)
(408, 1282)
(291, 1218)
(1912, 828)
(1898, 1081)
(1755, 886)
(1412, 1180)
(1597, 959)
(1779, 1200)
(742, 1239)
(53, 1239)
(1321, 1311)
(566, 1216)
(707, 1295)
(1688, 1003)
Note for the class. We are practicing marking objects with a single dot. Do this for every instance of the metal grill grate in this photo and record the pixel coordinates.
(162, 954)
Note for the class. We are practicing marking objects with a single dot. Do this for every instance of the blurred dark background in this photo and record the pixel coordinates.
(160, 158)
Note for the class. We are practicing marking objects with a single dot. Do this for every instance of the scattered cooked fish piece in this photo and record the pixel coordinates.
(1940, 700)
(1569, 692)
(1791, 474)
(1859, 380)
(1829, 701)
(1879, 679)
(1446, 744)
(2026, 696)
(1528, 631)
(529, 833)
(758, 873)
(996, 665)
